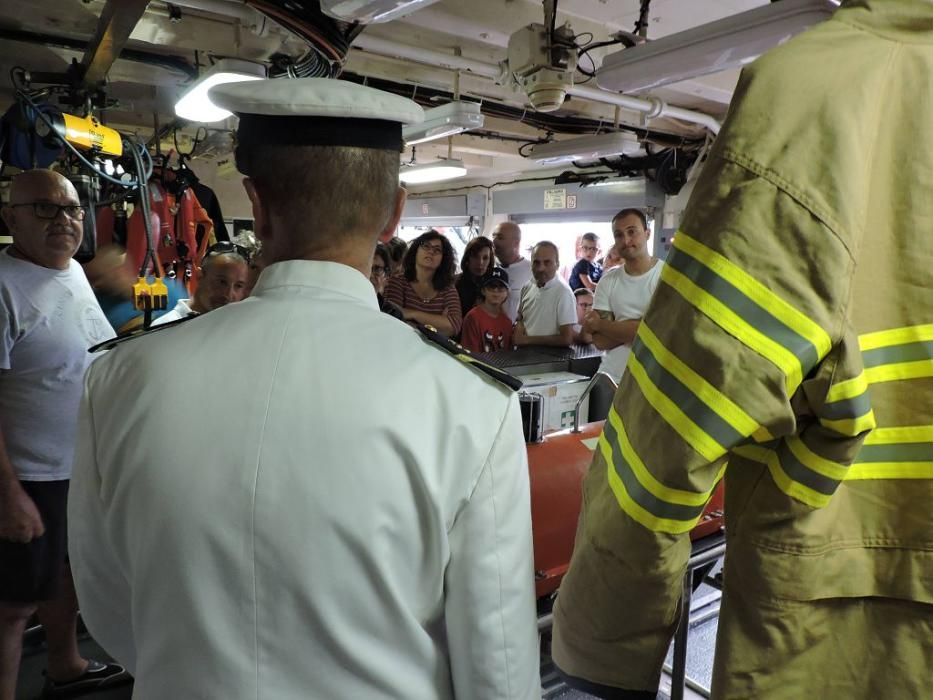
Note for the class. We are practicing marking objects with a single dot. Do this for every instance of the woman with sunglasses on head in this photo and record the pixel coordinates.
(424, 290)
(477, 262)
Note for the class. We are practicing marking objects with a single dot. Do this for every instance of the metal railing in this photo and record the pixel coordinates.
(586, 392)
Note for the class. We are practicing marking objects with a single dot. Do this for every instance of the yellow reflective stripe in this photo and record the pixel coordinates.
(633, 509)
(850, 427)
(903, 370)
(896, 336)
(757, 292)
(811, 460)
(733, 324)
(762, 435)
(907, 433)
(698, 439)
(904, 437)
(645, 478)
(848, 389)
(795, 489)
(890, 470)
(792, 488)
(851, 388)
(717, 402)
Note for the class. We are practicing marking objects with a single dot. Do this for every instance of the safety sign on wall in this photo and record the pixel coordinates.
(555, 198)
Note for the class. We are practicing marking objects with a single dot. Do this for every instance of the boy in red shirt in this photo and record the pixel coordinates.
(487, 327)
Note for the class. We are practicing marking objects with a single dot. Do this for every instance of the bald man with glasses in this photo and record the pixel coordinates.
(48, 320)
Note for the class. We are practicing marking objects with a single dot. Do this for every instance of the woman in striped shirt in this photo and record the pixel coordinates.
(424, 290)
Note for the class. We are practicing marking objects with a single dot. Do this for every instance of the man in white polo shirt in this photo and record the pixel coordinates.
(622, 297)
(547, 311)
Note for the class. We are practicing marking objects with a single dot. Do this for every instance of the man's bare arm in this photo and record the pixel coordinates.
(587, 282)
(19, 518)
(609, 333)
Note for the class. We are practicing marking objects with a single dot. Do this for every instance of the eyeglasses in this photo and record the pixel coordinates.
(50, 211)
(378, 271)
(589, 247)
(226, 248)
(433, 249)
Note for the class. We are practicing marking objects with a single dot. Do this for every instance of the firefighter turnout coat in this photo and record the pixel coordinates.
(788, 350)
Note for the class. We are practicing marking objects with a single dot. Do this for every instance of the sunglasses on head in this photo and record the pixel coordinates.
(226, 248)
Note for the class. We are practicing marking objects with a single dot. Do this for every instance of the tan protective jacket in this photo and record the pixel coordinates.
(791, 339)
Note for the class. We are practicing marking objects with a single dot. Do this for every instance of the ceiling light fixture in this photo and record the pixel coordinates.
(585, 148)
(446, 169)
(446, 120)
(710, 48)
(372, 11)
(196, 106)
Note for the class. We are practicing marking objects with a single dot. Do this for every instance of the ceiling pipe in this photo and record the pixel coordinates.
(654, 108)
(387, 47)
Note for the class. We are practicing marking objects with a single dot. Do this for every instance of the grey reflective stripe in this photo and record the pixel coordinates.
(708, 420)
(894, 354)
(802, 474)
(638, 493)
(748, 310)
(855, 407)
(902, 452)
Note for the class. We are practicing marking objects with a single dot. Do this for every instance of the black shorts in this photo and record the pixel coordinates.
(31, 572)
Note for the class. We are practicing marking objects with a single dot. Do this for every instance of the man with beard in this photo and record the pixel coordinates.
(622, 297)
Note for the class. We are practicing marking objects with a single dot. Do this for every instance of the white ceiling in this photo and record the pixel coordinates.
(479, 29)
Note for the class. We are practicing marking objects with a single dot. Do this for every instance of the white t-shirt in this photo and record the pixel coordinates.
(545, 309)
(519, 275)
(182, 310)
(48, 320)
(626, 297)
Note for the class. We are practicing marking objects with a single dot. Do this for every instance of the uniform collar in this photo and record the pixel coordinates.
(901, 20)
(333, 277)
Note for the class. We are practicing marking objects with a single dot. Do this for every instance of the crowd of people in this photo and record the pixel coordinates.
(508, 301)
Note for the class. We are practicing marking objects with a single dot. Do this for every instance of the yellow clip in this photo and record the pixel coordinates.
(150, 295)
(158, 292)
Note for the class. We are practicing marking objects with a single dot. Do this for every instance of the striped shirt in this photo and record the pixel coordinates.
(445, 303)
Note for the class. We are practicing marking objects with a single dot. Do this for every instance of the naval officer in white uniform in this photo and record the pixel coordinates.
(338, 508)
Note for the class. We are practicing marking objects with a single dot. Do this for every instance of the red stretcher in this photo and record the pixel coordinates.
(556, 467)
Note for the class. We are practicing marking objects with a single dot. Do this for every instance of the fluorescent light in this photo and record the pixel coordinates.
(584, 148)
(710, 48)
(432, 172)
(367, 11)
(446, 120)
(196, 105)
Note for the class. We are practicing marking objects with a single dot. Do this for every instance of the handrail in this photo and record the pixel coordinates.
(586, 392)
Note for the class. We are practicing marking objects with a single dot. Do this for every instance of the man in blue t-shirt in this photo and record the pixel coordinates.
(587, 271)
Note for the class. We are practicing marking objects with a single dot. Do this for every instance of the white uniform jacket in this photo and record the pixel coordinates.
(335, 508)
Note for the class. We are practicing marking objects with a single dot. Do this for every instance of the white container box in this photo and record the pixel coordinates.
(560, 391)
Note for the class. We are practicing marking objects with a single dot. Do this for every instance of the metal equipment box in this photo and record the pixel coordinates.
(560, 391)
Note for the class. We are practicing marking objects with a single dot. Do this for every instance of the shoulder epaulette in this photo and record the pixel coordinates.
(454, 348)
(138, 333)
